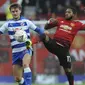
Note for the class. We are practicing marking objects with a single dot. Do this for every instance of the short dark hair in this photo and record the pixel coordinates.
(15, 5)
(73, 9)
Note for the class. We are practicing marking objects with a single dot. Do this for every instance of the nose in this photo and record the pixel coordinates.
(14, 12)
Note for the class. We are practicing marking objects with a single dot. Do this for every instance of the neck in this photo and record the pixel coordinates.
(70, 19)
(17, 18)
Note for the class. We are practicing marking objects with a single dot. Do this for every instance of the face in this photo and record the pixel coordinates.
(69, 14)
(15, 12)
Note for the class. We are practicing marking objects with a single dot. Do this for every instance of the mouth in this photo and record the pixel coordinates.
(15, 15)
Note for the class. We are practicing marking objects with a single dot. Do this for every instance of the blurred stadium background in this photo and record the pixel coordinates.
(45, 66)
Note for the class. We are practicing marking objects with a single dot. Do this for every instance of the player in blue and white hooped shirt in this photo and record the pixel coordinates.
(21, 56)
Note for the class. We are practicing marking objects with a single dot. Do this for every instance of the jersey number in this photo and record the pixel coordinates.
(68, 59)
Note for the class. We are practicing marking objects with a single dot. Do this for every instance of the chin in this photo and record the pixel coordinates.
(68, 18)
(15, 17)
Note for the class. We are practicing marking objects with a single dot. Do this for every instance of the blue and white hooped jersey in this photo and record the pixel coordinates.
(12, 26)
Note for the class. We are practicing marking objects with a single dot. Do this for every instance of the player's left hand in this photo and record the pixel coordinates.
(28, 43)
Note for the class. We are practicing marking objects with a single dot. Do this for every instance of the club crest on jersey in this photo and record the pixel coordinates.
(72, 24)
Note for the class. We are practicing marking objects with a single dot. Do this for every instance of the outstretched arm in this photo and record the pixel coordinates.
(82, 26)
(35, 28)
(51, 23)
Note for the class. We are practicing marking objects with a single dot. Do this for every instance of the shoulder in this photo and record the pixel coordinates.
(7, 22)
(82, 21)
(25, 19)
(78, 22)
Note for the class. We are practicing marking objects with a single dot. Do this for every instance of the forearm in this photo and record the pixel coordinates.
(51, 23)
(48, 26)
(39, 31)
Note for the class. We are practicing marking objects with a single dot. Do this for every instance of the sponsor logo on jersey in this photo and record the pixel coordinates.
(66, 27)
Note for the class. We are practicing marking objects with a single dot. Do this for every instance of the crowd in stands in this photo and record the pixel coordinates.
(44, 9)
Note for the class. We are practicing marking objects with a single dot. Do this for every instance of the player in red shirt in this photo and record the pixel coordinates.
(66, 30)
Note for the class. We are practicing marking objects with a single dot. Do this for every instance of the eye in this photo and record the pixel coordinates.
(69, 12)
(12, 11)
(16, 11)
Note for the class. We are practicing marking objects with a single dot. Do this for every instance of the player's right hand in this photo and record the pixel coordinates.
(28, 44)
(51, 20)
(50, 23)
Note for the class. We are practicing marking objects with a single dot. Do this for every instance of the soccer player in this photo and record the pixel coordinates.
(21, 56)
(67, 28)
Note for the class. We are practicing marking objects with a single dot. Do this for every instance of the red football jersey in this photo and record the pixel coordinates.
(66, 30)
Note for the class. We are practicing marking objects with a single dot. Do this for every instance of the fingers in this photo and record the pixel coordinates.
(28, 44)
